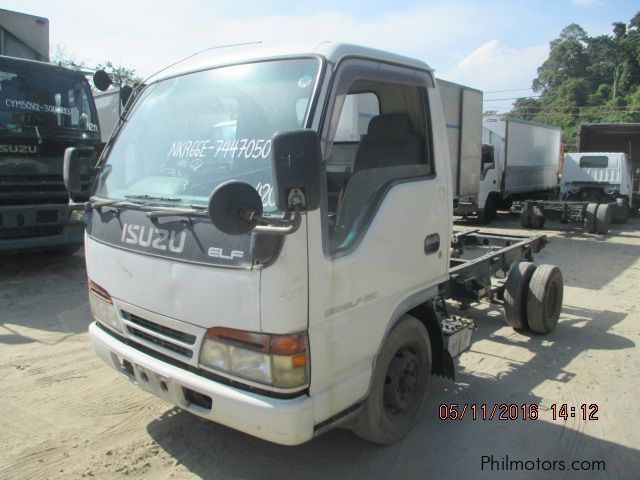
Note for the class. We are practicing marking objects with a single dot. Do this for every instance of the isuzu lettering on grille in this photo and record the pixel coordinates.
(4, 148)
(157, 238)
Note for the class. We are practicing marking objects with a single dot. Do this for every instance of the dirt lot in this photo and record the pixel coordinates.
(64, 414)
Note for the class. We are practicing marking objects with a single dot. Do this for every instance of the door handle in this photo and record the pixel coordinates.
(432, 243)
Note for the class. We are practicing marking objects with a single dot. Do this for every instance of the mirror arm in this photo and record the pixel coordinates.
(281, 226)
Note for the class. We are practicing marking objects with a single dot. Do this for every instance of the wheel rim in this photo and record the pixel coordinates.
(402, 381)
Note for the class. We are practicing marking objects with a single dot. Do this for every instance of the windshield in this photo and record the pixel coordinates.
(33, 95)
(186, 135)
(593, 161)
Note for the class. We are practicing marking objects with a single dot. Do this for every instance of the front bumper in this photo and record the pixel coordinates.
(37, 227)
(284, 421)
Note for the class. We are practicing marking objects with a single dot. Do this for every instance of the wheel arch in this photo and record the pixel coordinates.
(422, 307)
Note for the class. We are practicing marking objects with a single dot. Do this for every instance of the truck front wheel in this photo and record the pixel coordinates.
(400, 379)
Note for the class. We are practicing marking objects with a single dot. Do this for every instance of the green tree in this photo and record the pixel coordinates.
(587, 80)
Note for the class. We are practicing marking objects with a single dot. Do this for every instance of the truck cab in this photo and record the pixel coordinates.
(43, 110)
(598, 177)
(277, 335)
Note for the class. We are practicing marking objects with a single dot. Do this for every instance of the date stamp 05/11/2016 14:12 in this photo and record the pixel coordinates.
(515, 411)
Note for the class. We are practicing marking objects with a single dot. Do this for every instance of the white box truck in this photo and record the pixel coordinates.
(463, 116)
(223, 280)
(527, 159)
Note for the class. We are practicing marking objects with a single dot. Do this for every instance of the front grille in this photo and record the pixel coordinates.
(165, 337)
(169, 332)
(47, 216)
(45, 187)
(160, 342)
(30, 232)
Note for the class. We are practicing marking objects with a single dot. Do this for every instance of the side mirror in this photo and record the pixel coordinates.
(233, 207)
(296, 164)
(71, 170)
(101, 80)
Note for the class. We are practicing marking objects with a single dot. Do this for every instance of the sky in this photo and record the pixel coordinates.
(493, 45)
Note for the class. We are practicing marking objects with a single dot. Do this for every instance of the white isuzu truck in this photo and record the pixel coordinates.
(254, 268)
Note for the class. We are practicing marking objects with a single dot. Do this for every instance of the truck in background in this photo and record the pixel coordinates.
(599, 183)
(43, 110)
(618, 138)
(495, 161)
(600, 177)
(24, 36)
(329, 296)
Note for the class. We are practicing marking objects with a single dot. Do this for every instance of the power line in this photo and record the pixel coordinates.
(512, 90)
(512, 98)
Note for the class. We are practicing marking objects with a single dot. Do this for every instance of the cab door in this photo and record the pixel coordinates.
(380, 242)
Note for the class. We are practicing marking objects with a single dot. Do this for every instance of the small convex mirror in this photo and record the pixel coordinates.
(101, 80)
(233, 206)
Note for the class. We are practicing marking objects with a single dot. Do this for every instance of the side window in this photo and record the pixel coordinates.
(357, 111)
(382, 138)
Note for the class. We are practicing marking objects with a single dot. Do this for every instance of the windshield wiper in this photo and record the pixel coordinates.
(153, 197)
(97, 204)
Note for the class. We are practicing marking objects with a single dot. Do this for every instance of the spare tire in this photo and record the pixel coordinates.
(590, 217)
(544, 298)
(604, 214)
(515, 294)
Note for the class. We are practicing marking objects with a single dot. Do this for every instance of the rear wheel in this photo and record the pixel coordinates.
(590, 217)
(621, 211)
(604, 215)
(400, 380)
(515, 294)
(544, 299)
(537, 217)
(488, 213)
(525, 216)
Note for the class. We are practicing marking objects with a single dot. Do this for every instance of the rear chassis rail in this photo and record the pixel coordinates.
(564, 211)
(470, 279)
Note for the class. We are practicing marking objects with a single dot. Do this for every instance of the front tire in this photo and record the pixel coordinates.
(400, 379)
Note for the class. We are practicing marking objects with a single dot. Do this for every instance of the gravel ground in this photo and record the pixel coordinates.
(64, 414)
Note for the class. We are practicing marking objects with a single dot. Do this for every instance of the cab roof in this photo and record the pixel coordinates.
(333, 52)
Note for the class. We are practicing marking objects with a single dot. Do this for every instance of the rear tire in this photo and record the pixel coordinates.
(537, 217)
(515, 294)
(604, 215)
(621, 211)
(544, 299)
(590, 217)
(525, 216)
(487, 214)
(400, 379)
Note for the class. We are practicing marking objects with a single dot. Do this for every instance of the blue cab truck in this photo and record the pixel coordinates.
(44, 109)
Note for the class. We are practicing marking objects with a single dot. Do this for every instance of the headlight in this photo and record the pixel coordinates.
(102, 307)
(276, 360)
(76, 215)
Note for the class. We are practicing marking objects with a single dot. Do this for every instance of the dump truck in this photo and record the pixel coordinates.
(230, 277)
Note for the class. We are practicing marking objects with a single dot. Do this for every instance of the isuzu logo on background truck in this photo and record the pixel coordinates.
(315, 254)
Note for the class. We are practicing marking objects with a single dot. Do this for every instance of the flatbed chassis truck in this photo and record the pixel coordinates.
(596, 217)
